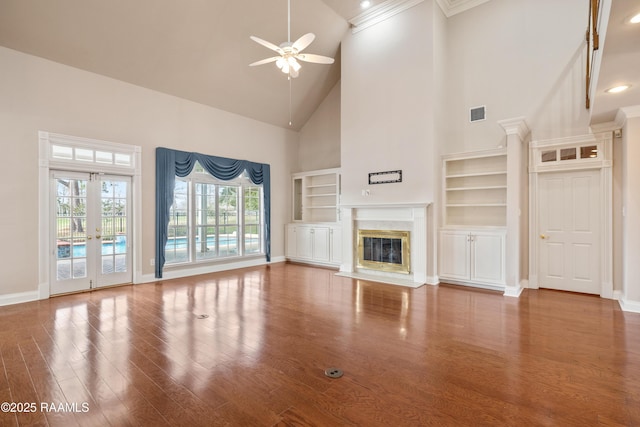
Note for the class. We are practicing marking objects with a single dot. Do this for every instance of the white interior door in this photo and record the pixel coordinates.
(91, 231)
(569, 231)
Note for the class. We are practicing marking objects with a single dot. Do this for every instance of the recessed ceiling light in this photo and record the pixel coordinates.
(635, 19)
(365, 4)
(618, 89)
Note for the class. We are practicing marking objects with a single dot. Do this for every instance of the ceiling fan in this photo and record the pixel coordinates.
(289, 53)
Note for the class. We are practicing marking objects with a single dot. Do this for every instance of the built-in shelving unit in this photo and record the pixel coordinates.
(475, 189)
(316, 196)
(315, 235)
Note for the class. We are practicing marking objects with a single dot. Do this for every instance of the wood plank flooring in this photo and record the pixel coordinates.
(446, 355)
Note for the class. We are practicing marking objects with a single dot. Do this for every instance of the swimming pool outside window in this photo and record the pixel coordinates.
(212, 219)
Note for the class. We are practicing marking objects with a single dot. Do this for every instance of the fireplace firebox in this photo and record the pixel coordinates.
(384, 250)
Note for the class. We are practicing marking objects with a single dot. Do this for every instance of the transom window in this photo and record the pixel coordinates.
(212, 219)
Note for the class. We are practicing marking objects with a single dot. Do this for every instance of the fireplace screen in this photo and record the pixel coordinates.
(384, 250)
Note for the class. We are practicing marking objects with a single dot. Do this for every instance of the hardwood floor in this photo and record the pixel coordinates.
(446, 355)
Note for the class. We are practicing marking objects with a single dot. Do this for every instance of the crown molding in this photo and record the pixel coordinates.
(625, 113)
(516, 126)
(453, 7)
(379, 13)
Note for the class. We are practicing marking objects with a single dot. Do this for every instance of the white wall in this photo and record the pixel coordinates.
(387, 108)
(631, 210)
(521, 59)
(36, 94)
(319, 146)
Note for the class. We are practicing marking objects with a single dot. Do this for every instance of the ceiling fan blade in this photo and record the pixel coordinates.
(318, 59)
(265, 61)
(266, 44)
(303, 42)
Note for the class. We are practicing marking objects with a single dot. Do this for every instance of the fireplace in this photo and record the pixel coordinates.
(403, 261)
(384, 250)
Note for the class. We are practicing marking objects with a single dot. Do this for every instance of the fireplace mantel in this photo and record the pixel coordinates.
(410, 217)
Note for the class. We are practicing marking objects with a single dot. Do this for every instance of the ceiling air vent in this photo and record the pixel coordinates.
(477, 114)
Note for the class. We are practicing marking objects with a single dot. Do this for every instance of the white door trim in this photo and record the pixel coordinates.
(603, 162)
(126, 160)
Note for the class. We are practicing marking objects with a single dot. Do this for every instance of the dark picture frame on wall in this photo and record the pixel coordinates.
(387, 177)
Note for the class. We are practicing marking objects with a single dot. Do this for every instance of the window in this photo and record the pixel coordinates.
(212, 219)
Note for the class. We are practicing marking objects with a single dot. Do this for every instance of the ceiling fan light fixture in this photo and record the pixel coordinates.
(294, 64)
(618, 89)
(365, 4)
(635, 19)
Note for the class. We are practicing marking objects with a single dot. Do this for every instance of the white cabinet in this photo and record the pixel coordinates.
(314, 243)
(473, 256)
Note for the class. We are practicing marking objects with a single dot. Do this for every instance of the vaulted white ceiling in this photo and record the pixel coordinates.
(200, 49)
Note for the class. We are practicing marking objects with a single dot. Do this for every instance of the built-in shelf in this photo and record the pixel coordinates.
(475, 189)
(316, 195)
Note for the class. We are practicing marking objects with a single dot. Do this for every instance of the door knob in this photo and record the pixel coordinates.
(98, 236)
(89, 237)
(543, 236)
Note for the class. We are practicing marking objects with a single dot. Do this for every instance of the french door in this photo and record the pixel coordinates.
(91, 231)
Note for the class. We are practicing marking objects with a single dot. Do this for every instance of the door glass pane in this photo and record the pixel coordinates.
(70, 228)
(568, 154)
(113, 230)
(589, 152)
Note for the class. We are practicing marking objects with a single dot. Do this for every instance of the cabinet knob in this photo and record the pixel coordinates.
(543, 236)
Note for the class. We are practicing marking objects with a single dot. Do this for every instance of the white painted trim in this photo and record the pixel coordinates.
(626, 113)
(433, 280)
(43, 290)
(380, 13)
(605, 127)
(513, 291)
(498, 288)
(380, 279)
(18, 298)
(516, 126)
(176, 273)
(617, 295)
(453, 7)
(604, 140)
(628, 305)
(46, 164)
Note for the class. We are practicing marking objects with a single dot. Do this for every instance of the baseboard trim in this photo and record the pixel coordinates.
(630, 306)
(19, 298)
(210, 268)
(433, 280)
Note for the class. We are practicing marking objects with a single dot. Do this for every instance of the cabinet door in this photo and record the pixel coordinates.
(290, 249)
(336, 245)
(487, 258)
(304, 242)
(454, 255)
(321, 244)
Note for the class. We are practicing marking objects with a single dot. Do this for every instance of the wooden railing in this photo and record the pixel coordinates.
(593, 43)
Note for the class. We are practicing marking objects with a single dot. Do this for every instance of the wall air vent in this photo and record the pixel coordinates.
(477, 114)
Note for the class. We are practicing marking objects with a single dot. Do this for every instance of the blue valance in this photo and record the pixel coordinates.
(172, 163)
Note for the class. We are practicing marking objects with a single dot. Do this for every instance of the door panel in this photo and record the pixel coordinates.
(488, 258)
(70, 270)
(569, 243)
(91, 232)
(454, 259)
(115, 253)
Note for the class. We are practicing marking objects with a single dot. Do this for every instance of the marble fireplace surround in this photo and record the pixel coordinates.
(402, 217)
